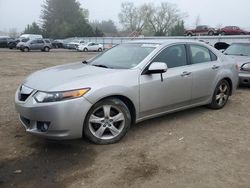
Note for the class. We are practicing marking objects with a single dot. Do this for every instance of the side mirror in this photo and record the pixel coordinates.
(157, 68)
(246, 67)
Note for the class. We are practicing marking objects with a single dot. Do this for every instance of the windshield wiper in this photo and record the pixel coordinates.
(236, 54)
(85, 62)
(102, 66)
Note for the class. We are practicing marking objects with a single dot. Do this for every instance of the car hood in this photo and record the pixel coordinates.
(68, 77)
(240, 60)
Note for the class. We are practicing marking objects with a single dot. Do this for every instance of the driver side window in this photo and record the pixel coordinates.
(174, 56)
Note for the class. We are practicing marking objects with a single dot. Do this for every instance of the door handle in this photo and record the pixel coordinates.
(185, 73)
(215, 67)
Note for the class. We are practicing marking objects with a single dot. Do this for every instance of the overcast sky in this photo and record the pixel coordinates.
(19, 13)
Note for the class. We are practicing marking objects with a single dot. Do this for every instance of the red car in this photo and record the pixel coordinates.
(201, 30)
(233, 30)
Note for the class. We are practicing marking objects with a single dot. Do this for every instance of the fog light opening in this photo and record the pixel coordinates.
(43, 126)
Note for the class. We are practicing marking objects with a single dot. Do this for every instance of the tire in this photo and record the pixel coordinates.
(221, 95)
(85, 50)
(189, 35)
(210, 33)
(223, 33)
(105, 129)
(26, 49)
(46, 49)
(100, 50)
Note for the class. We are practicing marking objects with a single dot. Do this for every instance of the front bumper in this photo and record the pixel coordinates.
(64, 119)
(244, 78)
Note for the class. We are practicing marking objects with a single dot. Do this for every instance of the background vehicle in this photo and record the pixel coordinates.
(23, 39)
(74, 44)
(201, 30)
(57, 43)
(4, 40)
(37, 44)
(90, 46)
(232, 30)
(240, 52)
(103, 109)
(31, 36)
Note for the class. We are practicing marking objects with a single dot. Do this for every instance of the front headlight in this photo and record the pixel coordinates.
(246, 67)
(42, 97)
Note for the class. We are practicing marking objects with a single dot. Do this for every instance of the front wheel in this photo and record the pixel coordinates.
(221, 95)
(107, 122)
(46, 49)
(85, 49)
(100, 50)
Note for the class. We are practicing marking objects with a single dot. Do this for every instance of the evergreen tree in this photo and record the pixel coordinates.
(178, 29)
(33, 29)
(65, 18)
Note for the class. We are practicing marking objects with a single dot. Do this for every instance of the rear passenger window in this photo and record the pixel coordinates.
(174, 56)
(40, 41)
(199, 54)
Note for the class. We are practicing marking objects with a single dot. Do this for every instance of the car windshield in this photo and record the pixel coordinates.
(238, 49)
(124, 56)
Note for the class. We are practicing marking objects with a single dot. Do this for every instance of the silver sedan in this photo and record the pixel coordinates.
(240, 52)
(129, 83)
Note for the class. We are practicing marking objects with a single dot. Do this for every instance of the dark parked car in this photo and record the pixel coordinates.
(37, 44)
(57, 44)
(4, 40)
(233, 30)
(12, 43)
(201, 30)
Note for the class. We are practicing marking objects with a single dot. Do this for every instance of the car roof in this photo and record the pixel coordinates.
(164, 41)
(241, 43)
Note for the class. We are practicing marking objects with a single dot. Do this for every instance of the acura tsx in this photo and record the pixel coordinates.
(100, 98)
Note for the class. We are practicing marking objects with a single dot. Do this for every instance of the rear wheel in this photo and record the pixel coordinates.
(221, 95)
(107, 121)
(26, 49)
(210, 33)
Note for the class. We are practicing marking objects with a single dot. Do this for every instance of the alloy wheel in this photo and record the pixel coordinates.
(106, 122)
(222, 94)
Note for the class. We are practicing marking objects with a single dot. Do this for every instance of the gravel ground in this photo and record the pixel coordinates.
(193, 148)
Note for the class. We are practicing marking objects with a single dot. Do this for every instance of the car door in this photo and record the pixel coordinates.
(205, 68)
(33, 45)
(95, 47)
(174, 91)
(40, 44)
(91, 46)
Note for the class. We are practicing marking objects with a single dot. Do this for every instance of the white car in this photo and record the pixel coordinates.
(75, 44)
(90, 46)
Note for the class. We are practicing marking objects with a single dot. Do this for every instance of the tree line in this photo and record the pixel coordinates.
(66, 18)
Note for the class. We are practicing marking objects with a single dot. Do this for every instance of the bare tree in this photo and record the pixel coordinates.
(13, 32)
(131, 17)
(162, 18)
